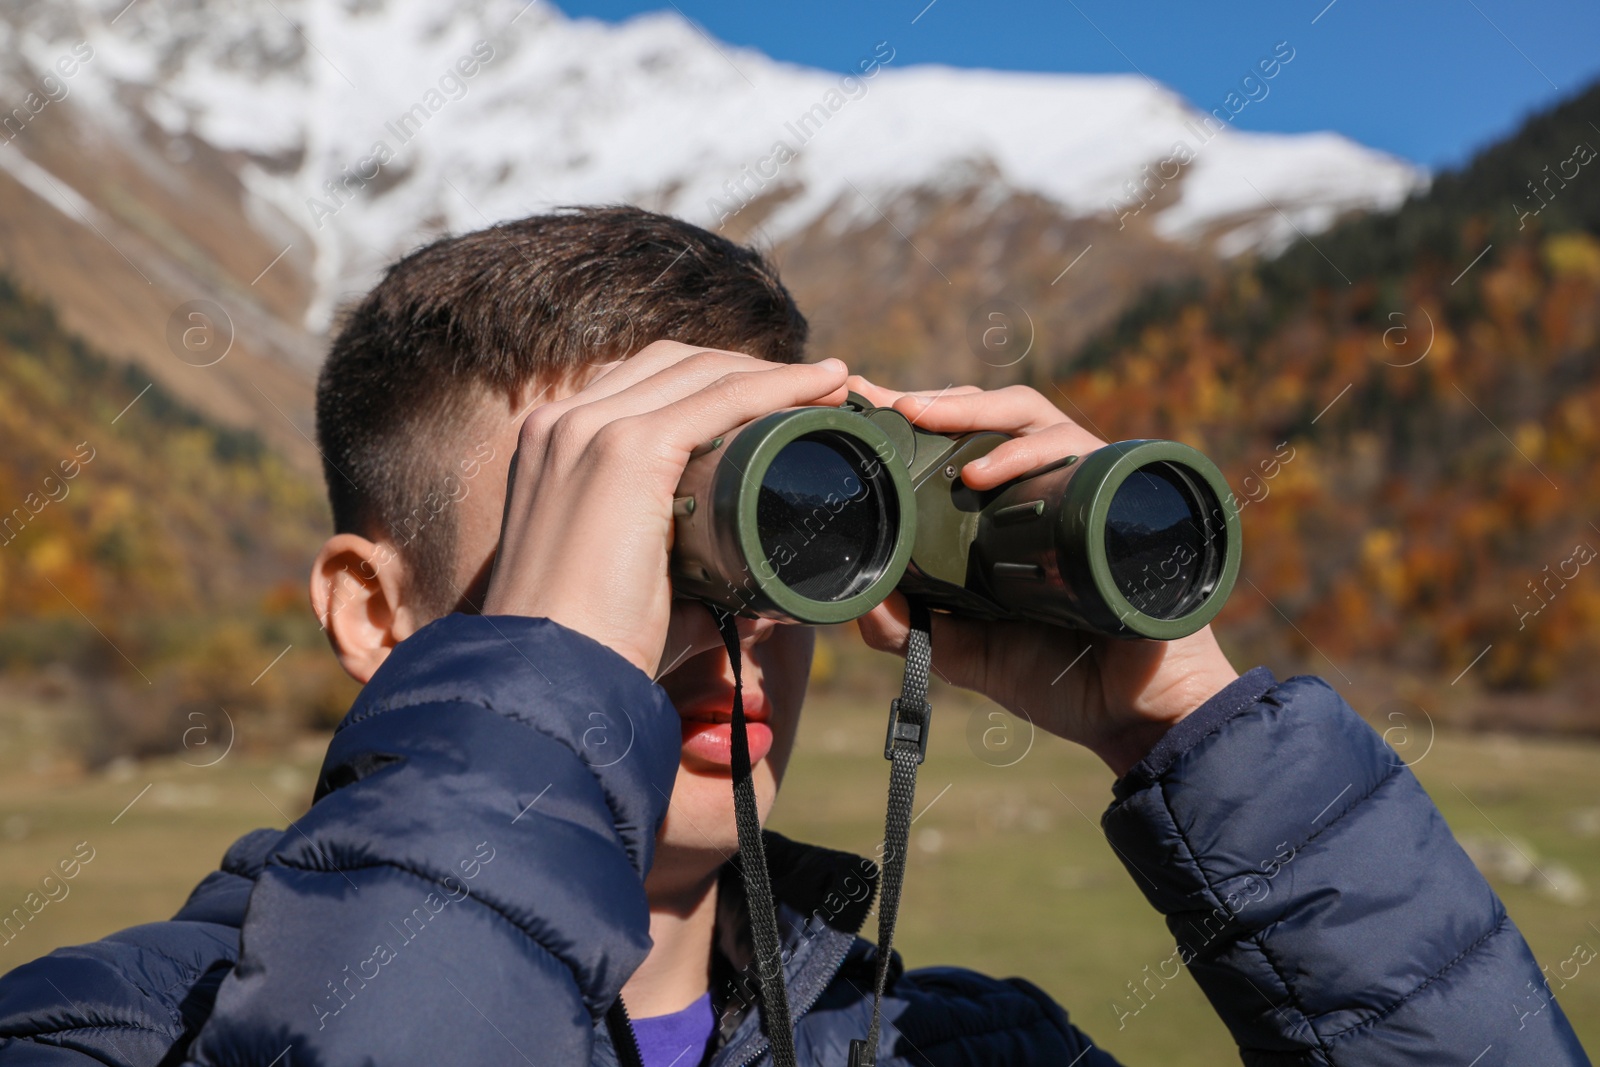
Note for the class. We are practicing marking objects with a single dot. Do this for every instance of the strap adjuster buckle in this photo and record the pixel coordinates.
(911, 728)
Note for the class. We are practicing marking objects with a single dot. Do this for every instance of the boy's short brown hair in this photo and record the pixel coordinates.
(536, 301)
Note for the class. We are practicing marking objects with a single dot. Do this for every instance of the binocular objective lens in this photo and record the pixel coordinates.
(825, 520)
(1163, 554)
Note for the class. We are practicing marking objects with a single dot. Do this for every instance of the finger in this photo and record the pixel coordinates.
(949, 390)
(886, 626)
(680, 377)
(688, 421)
(1014, 410)
(958, 644)
(654, 359)
(876, 394)
(1020, 455)
(628, 369)
(603, 369)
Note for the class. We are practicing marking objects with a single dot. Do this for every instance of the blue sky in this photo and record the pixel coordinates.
(1429, 80)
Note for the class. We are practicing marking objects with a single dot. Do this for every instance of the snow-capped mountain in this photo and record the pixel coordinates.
(348, 131)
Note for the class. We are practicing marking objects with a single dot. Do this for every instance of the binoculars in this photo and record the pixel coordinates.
(815, 514)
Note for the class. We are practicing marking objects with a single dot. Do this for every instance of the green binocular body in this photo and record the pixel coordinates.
(815, 514)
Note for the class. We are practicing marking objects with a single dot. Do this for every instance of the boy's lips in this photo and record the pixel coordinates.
(707, 726)
(716, 705)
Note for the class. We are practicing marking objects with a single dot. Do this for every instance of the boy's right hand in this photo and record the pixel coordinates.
(587, 528)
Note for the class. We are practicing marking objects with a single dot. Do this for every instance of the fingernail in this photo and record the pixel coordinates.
(979, 464)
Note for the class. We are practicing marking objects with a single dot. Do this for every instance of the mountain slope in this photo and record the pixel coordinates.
(151, 562)
(273, 157)
(1409, 408)
(365, 121)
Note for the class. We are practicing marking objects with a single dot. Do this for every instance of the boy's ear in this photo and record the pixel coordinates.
(357, 591)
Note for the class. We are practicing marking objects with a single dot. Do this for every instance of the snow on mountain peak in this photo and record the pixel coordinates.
(372, 124)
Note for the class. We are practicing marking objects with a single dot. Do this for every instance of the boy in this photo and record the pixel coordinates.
(515, 825)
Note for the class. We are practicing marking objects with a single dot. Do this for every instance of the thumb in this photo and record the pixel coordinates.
(956, 641)
(887, 627)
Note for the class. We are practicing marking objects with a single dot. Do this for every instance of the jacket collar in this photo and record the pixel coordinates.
(822, 896)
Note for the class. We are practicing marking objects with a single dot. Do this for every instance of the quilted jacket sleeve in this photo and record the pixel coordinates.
(131, 998)
(1318, 897)
(468, 886)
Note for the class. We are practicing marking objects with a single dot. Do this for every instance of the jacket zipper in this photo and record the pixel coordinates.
(623, 1040)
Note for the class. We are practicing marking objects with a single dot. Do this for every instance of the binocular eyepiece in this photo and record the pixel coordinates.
(816, 514)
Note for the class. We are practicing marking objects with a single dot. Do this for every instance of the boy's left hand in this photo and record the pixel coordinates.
(1122, 694)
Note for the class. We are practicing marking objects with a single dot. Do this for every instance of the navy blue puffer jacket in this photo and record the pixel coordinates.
(467, 889)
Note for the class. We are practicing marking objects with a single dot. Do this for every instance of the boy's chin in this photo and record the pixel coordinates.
(700, 829)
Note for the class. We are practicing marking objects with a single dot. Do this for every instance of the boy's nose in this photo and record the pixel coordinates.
(754, 631)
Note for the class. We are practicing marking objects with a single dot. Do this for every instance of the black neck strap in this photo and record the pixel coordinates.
(905, 747)
(753, 867)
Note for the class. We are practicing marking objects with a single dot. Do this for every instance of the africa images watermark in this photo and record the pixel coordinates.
(809, 526)
(1543, 994)
(753, 179)
(1582, 154)
(52, 89)
(1254, 889)
(1142, 191)
(853, 887)
(453, 85)
(410, 927)
(405, 529)
(53, 889)
(1581, 555)
(55, 490)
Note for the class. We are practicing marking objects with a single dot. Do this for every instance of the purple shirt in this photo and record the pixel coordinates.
(676, 1040)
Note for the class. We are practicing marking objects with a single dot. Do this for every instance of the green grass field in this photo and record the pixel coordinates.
(1009, 873)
